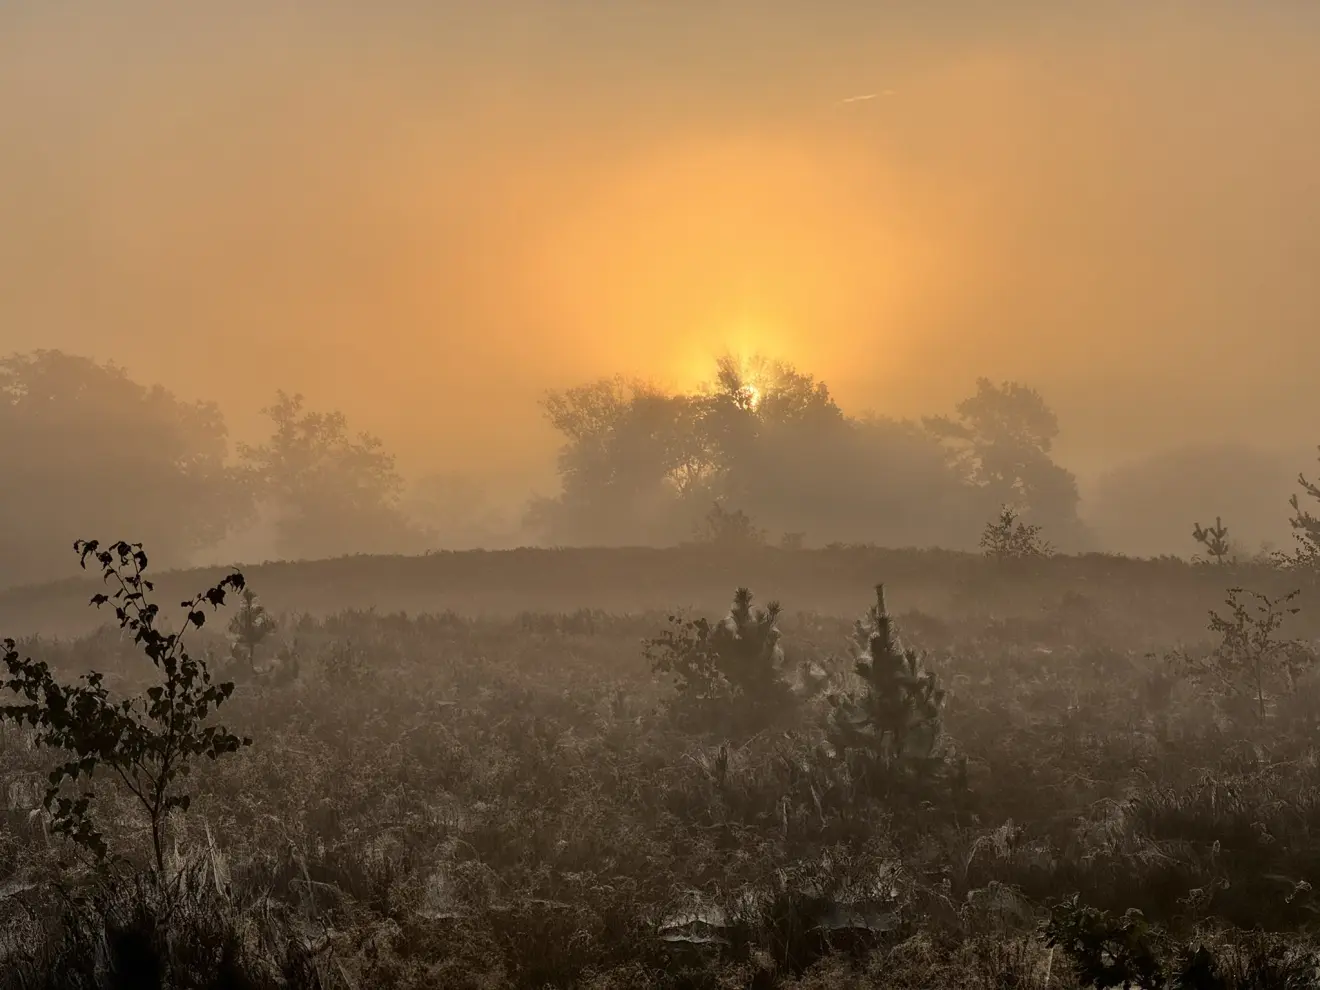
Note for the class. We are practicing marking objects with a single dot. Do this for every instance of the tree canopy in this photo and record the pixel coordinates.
(84, 448)
(1001, 439)
(642, 465)
(333, 492)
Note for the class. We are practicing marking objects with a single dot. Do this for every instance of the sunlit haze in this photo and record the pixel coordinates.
(428, 215)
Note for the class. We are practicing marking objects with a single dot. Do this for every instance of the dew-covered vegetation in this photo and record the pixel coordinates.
(765, 797)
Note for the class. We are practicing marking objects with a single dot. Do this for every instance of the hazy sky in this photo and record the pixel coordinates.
(426, 214)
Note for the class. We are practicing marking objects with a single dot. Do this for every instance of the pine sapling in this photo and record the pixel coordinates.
(1251, 658)
(249, 627)
(729, 669)
(1215, 540)
(890, 729)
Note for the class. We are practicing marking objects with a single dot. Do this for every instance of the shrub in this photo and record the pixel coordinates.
(1009, 537)
(149, 742)
(729, 528)
(729, 674)
(1108, 951)
(1306, 525)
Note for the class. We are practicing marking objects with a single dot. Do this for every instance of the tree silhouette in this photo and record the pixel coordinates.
(1001, 439)
(758, 420)
(1214, 539)
(1008, 537)
(67, 424)
(335, 493)
(631, 455)
(639, 464)
(249, 628)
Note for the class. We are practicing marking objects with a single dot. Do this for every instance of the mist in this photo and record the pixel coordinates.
(428, 217)
(667, 493)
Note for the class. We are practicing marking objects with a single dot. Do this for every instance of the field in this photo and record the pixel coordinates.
(465, 772)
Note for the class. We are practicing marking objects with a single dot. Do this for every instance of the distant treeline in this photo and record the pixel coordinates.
(86, 449)
(641, 465)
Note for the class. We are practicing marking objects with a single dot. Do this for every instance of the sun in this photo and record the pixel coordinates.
(752, 395)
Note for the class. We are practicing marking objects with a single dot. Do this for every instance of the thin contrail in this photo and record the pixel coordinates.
(867, 96)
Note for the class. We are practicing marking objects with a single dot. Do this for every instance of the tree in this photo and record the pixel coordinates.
(83, 445)
(891, 482)
(1306, 526)
(638, 464)
(149, 742)
(1002, 440)
(1214, 539)
(1010, 538)
(335, 493)
(632, 454)
(249, 628)
(756, 420)
(1250, 661)
(888, 733)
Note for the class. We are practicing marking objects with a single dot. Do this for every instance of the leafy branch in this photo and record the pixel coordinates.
(148, 742)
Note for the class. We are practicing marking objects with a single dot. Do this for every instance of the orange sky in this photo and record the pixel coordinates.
(426, 218)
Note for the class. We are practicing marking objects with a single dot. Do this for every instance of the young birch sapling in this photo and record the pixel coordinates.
(1009, 538)
(150, 742)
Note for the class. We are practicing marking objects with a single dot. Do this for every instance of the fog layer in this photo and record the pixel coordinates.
(428, 215)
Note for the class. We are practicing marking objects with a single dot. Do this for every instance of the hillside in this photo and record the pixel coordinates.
(1165, 597)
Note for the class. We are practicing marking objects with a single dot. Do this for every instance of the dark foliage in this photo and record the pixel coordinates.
(485, 802)
(149, 742)
(67, 424)
(1215, 540)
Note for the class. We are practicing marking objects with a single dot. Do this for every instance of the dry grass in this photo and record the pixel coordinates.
(501, 802)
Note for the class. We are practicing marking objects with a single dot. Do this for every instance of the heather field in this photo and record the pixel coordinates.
(1013, 773)
(642, 495)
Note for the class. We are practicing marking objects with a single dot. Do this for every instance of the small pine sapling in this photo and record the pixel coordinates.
(1010, 538)
(889, 732)
(1251, 657)
(149, 742)
(728, 672)
(249, 627)
(1215, 540)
